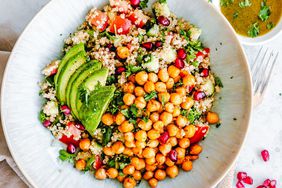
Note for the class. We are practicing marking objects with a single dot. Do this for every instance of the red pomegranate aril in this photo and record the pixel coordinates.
(46, 123)
(163, 21)
(241, 175)
(265, 155)
(134, 2)
(98, 162)
(71, 149)
(240, 185)
(65, 109)
(266, 182)
(207, 50)
(205, 73)
(248, 180)
(272, 183)
(79, 126)
(179, 63)
(159, 44)
(120, 70)
(164, 138)
(198, 95)
(54, 71)
(181, 54)
(172, 155)
(148, 45)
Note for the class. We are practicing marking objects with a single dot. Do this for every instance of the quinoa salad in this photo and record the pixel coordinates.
(132, 94)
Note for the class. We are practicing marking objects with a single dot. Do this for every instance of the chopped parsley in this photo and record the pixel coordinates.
(65, 156)
(235, 15)
(191, 115)
(225, 3)
(264, 12)
(143, 4)
(131, 112)
(107, 135)
(42, 116)
(254, 30)
(150, 96)
(245, 3)
(116, 102)
(162, 1)
(218, 82)
(270, 25)
(111, 80)
(218, 125)
(185, 34)
(131, 69)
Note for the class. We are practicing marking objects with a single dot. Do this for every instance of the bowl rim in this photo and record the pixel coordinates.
(248, 80)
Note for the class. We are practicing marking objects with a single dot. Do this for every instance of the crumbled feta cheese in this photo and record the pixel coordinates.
(49, 69)
(161, 9)
(51, 108)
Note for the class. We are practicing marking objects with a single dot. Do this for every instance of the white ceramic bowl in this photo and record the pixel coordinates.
(271, 35)
(32, 145)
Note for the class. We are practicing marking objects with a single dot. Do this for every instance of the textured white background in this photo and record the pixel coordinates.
(266, 126)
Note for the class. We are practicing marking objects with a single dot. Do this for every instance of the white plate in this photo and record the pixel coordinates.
(31, 144)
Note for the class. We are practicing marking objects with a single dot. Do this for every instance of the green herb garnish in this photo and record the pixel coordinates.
(235, 15)
(150, 96)
(116, 102)
(270, 25)
(191, 114)
(107, 136)
(264, 12)
(65, 156)
(144, 4)
(218, 82)
(245, 3)
(254, 30)
(131, 69)
(42, 116)
(225, 3)
(162, 1)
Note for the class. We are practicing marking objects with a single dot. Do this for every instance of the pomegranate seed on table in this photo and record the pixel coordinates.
(205, 72)
(241, 175)
(265, 155)
(179, 63)
(240, 185)
(148, 45)
(272, 184)
(181, 54)
(163, 21)
(207, 50)
(120, 70)
(79, 126)
(65, 109)
(266, 182)
(172, 155)
(164, 138)
(198, 95)
(159, 44)
(134, 2)
(71, 149)
(248, 180)
(46, 123)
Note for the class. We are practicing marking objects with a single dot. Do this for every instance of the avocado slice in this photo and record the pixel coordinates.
(99, 76)
(91, 112)
(72, 52)
(69, 69)
(79, 76)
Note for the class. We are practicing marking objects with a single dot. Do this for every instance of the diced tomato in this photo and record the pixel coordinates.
(120, 25)
(200, 134)
(121, 5)
(206, 51)
(98, 162)
(69, 140)
(138, 18)
(100, 20)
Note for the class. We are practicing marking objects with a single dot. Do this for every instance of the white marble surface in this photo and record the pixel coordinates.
(265, 130)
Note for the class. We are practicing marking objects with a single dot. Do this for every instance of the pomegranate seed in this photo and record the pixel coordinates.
(148, 45)
(200, 54)
(205, 72)
(207, 50)
(172, 155)
(79, 126)
(46, 123)
(241, 175)
(240, 185)
(159, 44)
(134, 2)
(164, 138)
(181, 54)
(266, 182)
(179, 63)
(163, 21)
(261, 186)
(265, 155)
(120, 70)
(248, 180)
(272, 184)
(198, 95)
(65, 109)
(54, 71)
(71, 149)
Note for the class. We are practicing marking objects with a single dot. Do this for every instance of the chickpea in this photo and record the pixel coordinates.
(169, 162)
(153, 134)
(189, 131)
(180, 134)
(80, 164)
(129, 183)
(135, 162)
(128, 170)
(130, 144)
(100, 174)
(141, 136)
(160, 174)
(177, 79)
(153, 143)
(107, 119)
(187, 165)
(170, 83)
(172, 171)
(153, 183)
(163, 75)
(108, 151)
(184, 73)
(128, 152)
(173, 71)
(84, 144)
(137, 151)
(148, 175)
(126, 127)
(153, 106)
(189, 80)
(128, 87)
(112, 173)
(164, 97)
(180, 161)
(154, 117)
(172, 130)
(212, 117)
(140, 102)
(184, 143)
(160, 87)
(187, 104)
(146, 126)
(128, 99)
(175, 98)
(141, 77)
(123, 52)
(153, 77)
(192, 157)
(159, 126)
(120, 118)
(165, 148)
(129, 136)
(148, 152)
(181, 121)
(169, 107)
(150, 161)
(195, 149)
(173, 141)
(176, 112)
(149, 86)
(137, 175)
(140, 144)
(139, 91)
(160, 158)
(118, 147)
(166, 118)
(151, 167)
(180, 152)
(121, 177)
